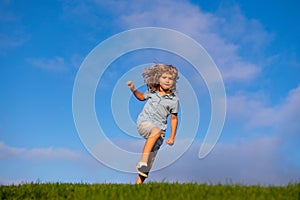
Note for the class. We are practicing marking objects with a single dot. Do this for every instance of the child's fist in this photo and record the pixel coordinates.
(130, 84)
(170, 141)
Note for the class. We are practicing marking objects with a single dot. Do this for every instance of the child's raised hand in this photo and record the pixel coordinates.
(130, 84)
(170, 141)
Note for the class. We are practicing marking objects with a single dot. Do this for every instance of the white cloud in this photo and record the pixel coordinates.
(264, 156)
(212, 30)
(9, 152)
(204, 28)
(51, 64)
(234, 26)
(255, 110)
(288, 114)
(51, 153)
(48, 165)
(251, 108)
(252, 162)
(11, 41)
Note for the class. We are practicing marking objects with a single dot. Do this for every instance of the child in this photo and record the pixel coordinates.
(152, 121)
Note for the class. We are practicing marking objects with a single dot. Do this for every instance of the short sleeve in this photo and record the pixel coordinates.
(175, 107)
(147, 94)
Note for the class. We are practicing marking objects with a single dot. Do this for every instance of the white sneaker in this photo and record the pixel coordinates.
(142, 169)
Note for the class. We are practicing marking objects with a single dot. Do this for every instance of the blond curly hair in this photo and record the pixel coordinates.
(152, 74)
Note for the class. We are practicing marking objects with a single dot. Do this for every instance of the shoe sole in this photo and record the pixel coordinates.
(140, 172)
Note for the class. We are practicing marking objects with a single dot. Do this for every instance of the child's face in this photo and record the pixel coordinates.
(166, 81)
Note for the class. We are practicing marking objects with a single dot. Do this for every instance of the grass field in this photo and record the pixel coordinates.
(159, 191)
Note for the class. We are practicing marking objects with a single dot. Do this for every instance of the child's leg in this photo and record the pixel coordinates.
(151, 159)
(152, 135)
(140, 179)
(149, 144)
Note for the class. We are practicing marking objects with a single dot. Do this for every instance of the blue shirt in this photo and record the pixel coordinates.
(158, 108)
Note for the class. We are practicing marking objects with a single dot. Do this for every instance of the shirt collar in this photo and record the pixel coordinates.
(168, 96)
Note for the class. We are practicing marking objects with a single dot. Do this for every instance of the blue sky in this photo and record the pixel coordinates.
(254, 44)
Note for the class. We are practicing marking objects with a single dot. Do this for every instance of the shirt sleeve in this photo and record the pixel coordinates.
(147, 94)
(175, 107)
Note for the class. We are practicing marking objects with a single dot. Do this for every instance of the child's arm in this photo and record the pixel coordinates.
(174, 123)
(140, 96)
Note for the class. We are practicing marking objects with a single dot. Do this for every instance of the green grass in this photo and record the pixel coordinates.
(159, 191)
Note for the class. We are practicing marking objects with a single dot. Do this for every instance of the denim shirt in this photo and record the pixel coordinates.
(158, 108)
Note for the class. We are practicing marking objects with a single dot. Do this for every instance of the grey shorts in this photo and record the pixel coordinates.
(145, 130)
